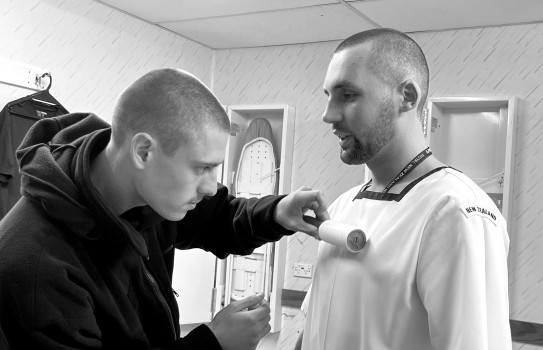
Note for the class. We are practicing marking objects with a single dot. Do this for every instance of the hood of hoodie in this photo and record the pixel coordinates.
(54, 160)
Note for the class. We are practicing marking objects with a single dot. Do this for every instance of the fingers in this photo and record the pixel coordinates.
(315, 201)
(309, 229)
(242, 323)
(260, 304)
(261, 313)
(319, 206)
(259, 319)
(252, 301)
(321, 210)
(290, 210)
(314, 222)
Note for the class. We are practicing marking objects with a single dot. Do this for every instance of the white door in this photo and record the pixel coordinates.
(193, 280)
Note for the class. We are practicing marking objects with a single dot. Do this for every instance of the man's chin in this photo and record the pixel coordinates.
(175, 216)
(349, 159)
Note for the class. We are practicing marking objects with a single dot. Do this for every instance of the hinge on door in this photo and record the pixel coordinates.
(424, 120)
(217, 300)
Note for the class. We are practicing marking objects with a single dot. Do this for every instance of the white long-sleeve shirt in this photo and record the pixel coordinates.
(433, 274)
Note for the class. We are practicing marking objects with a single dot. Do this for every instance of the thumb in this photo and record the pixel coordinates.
(310, 226)
(309, 229)
(247, 302)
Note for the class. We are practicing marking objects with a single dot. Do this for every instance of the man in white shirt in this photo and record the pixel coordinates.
(433, 274)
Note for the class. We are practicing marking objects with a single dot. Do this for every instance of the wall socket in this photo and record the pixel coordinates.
(303, 270)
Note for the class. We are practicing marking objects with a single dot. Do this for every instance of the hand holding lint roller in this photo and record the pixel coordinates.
(339, 234)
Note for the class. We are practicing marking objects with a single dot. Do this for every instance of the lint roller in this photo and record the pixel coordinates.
(339, 234)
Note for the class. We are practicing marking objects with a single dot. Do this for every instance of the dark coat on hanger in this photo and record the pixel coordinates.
(16, 118)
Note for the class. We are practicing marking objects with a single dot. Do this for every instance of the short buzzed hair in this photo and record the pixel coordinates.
(171, 105)
(395, 57)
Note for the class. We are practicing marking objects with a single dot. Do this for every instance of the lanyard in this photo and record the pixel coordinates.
(408, 168)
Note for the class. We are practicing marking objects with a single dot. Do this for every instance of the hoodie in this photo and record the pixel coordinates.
(73, 275)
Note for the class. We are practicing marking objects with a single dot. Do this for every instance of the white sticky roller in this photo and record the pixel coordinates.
(339, 234)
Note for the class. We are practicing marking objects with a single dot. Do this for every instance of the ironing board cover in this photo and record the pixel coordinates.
(256, 175)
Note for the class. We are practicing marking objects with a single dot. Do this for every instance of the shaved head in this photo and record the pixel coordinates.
(171, 105)
(395, 58)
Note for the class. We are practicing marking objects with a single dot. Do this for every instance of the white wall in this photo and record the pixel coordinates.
(92, 51)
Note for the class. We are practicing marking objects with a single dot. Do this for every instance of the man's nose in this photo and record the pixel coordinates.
(208, 185)
(331, 113)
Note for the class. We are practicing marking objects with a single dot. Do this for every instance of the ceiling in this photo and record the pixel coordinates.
(221, 24)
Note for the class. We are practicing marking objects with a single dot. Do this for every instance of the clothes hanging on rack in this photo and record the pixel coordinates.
(16, 118)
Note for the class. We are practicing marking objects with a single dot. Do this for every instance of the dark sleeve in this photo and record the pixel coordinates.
(200, 337)
(46, 312)
(225, 225)
(47, 306)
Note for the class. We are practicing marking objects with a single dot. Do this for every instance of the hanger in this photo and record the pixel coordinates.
(43, 97)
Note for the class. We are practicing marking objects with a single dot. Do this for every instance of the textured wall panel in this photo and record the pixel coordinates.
(92, 50)
(505, 61)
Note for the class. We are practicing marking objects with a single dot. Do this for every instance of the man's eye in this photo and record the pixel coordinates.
(348, 96)
(202, 169)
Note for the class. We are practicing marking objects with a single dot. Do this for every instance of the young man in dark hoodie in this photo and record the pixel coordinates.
(86, 256)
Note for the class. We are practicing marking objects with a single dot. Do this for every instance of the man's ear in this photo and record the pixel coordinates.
(142, 149)
(410, 92)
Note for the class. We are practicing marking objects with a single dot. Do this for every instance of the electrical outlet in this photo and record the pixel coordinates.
(303, 270)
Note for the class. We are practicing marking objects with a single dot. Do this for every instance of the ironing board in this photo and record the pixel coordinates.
(256, 173)
(256, 176)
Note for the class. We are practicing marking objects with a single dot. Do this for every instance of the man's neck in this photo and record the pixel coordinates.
(392, 159)
(111, 181)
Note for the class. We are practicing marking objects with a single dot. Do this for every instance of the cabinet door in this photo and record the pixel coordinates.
(193, 280)
(476, 136)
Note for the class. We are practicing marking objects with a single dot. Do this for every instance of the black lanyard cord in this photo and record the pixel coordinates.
(419, 158)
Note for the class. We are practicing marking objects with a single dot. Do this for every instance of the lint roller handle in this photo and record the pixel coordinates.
(341, 235)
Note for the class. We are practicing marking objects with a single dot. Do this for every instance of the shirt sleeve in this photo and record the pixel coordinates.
(223, 224)
(462, 278)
